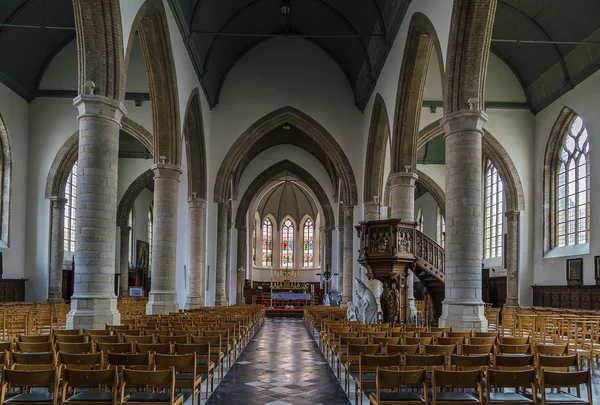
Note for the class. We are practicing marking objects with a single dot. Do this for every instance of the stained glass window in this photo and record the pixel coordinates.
(131, 247)
(70, 208)
(308, 252)
(493, 212)
(150, 226)
(267, 243)
(287, 244)
(572, 187)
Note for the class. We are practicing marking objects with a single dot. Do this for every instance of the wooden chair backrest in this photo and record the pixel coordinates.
(115, 347)
(34, 338)
(468, 362)
(25, 347)
(172, 339)
(76, 378)
(96, 332)
(180, 362)
(418, 341)
(440, 349)
(85, 361)
(413, 360)
(75, 347)
(403, 349)
(514, 349)
(138, 339)
(104, 338)
(129, 360)
(458, 340)
(457, 379)
(31, 378)
(70, 338)
(163, 348)
(46, 358)
(512, 378)
(514, 362)
(509, 340)
(477, 349)
(552, 349)
(478, 341)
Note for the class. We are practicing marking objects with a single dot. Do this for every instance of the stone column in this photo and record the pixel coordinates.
(402, 201)
(196, 252)
(220, 290)
(57, 250)
(513, 224)
(163, 296)
(253, 235)
(463, 308)
(339, 281)
(372, 211)
(327, 260)
(124, 262)
(348, 237)
(402, 195)
(94, 304)
(241, 263)
(228, 270)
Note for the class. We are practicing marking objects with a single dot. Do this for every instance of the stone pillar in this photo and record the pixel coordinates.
(372, 211)
(228, 272)
(124, 262)
(253, 235)
(402, 195)
(94, 304)
(220, 290)
(339, 281)
(348, 237)
(241, 263)
(163, 296)
(57, 250)
(463, 308)
(402, 201)
(196, 252)
(513, 224)
(327, 260)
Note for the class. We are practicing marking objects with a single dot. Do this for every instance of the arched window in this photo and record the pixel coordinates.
(70, 207)
(150, 226)
(441, 227)
(309, 230)
(131, 232)
(287, 244)
(493, 212)
(267, 243)
(254, 246)
(420, 219)
(572, 187)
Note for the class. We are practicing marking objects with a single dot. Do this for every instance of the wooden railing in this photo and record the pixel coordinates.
(430, 255)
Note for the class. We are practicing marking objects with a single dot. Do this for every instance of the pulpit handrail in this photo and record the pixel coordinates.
(431, 253)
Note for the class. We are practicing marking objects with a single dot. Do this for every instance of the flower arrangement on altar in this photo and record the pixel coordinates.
(305, 287)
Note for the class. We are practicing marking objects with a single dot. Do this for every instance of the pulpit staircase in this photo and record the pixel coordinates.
(429, 268)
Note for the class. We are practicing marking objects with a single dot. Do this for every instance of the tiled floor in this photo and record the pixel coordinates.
(281, 365)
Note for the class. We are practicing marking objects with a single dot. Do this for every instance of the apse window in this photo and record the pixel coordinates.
(287, 244)
(308, 252)
(493, 210)
(70, 208)
(267, 243)
(572, 187)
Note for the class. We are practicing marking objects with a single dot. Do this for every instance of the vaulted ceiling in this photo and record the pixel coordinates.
(550, 45)
(356, 34)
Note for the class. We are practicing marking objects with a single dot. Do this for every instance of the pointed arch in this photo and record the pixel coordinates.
(152, 27)
(193, 135)
(226, 182)
(558, 133)
(434, 189)
(379, 140)
(131, 194)
(421, 41)
(5, 185)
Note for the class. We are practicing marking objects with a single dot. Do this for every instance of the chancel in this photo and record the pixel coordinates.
(299, 201)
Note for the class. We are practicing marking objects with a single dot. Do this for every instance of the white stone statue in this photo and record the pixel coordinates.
(352, 312)
(367, 306)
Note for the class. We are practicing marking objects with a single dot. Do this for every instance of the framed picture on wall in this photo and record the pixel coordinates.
(597, 269)
(575, 271)
(142, 255)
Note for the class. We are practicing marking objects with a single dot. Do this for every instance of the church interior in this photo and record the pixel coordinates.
(299, 201)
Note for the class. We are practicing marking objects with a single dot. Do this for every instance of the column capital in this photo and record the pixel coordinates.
(472, 120)
(164, 170)
(196, 203)
(407, 179)
(347, 209)
(223, 205)
(512, 215)
(125, 228)
(58, 202)
(95, 106)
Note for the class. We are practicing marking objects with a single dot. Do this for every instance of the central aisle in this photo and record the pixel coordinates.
(281, 365)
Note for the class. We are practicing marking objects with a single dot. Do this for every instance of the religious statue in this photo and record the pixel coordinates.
(367, 306)
(393, 302)
(383, 300)
(352, 312)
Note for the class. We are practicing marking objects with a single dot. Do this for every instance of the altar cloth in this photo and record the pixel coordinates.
(290, 296)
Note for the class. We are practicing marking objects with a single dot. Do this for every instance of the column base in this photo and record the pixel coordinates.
(55, 299)
(512, 302)
(464, 317)
(221, 301)
(162, 303)
(93, 313)
(194, 302)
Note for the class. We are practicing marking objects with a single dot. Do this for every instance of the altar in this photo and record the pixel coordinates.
(288, 296)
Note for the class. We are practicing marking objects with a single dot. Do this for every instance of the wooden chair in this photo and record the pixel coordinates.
(469, 350)
(185, 366)
(478, 341)
(446, 350)
(34, 338)
(500, 380)
(343, 350)
(32, 361)
(69, 338)
(204, 364)
(217, 355)
(510, 340)
(510, 362)
(404, 335)
(385, 341)
(368, 364)
(25, 347)
(457, 379)
(389, 382)
(472, 362)
(92, 381)
(87, 361)
(352, 359)
(115, 347)
(560, 379)
(422, 342)
(75, 347)
(514, 349)
(137, 361)
(150, 381)
(24, 380)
